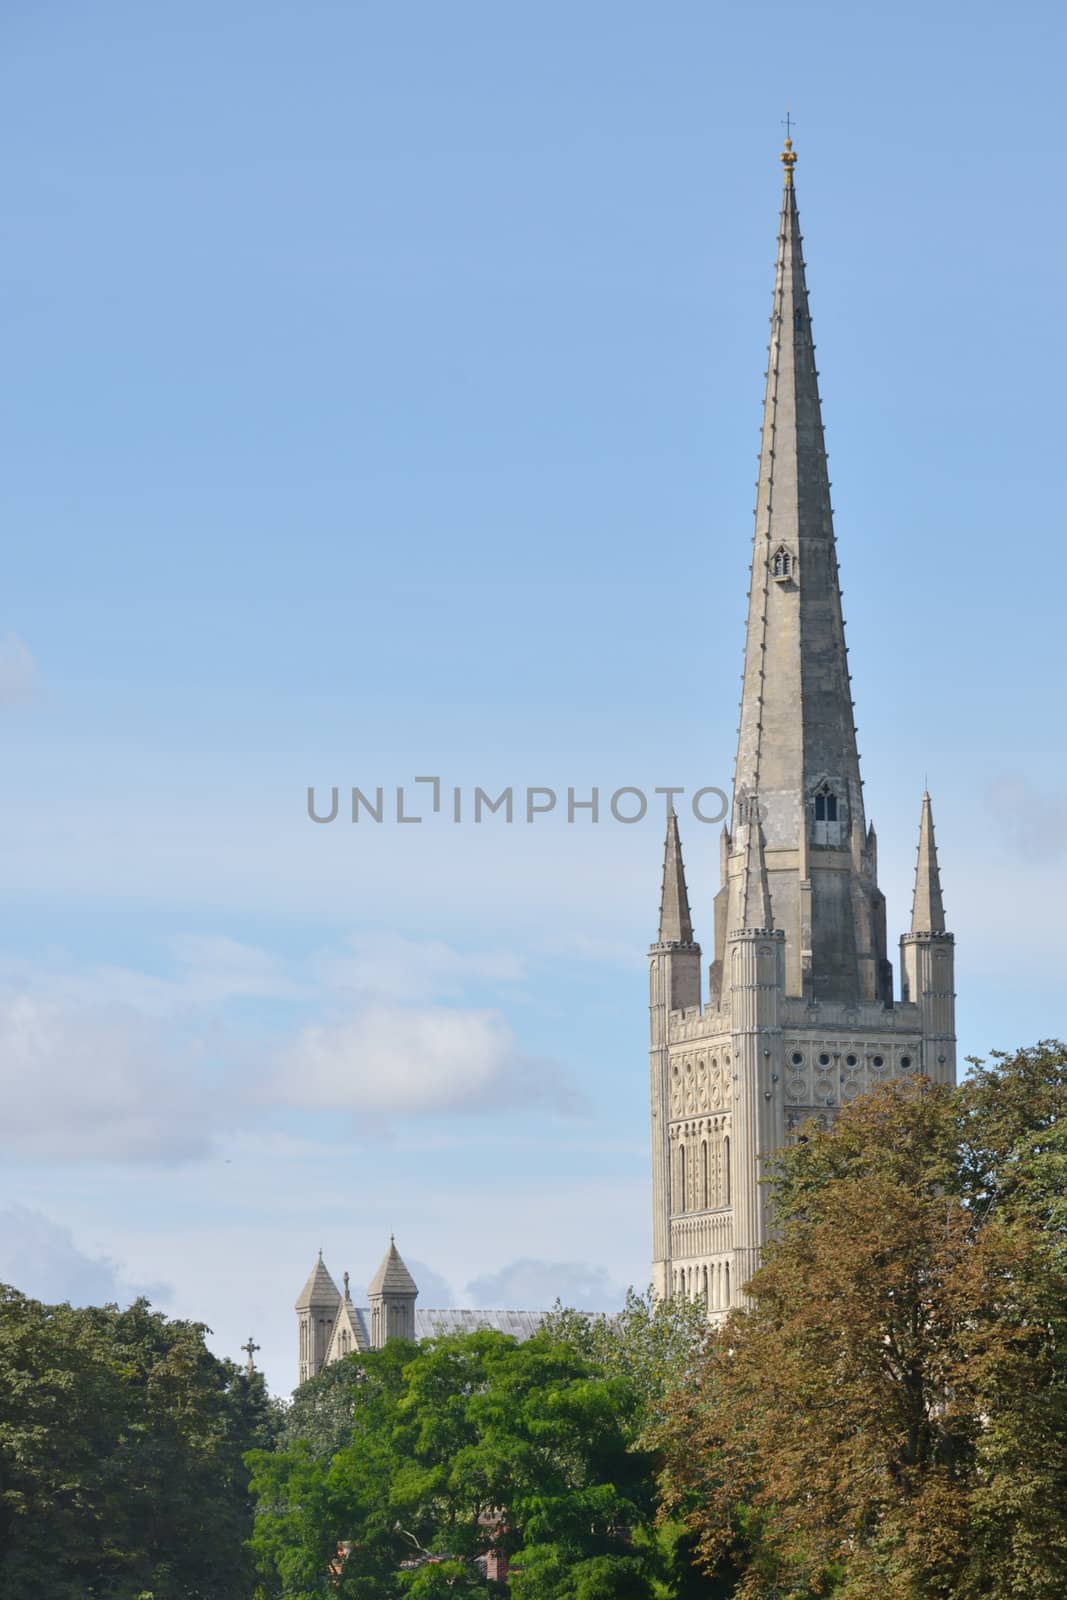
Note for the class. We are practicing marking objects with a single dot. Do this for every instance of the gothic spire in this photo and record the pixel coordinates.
(675, 923)
(796, 749)
(927, 908)
(796, 709)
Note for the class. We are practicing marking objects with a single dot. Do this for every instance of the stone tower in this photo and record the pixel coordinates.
(316, 1312)
(392, 1293)
(800, 1015)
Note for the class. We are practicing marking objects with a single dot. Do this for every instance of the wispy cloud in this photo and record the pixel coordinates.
(102, 1082)
(40, 1258)
(19, 676)
(1038, 817)
(116, 1063)
(537, 1285)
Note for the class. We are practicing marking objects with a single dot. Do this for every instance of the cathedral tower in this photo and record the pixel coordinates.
(800, 1016)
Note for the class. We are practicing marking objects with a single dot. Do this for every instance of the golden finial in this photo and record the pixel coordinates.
(788, 156)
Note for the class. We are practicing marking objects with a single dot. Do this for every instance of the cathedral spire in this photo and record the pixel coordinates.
(927, 908)
(796, 750)
(675, 923)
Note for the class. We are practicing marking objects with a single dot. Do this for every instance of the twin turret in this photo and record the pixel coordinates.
(330, 1326)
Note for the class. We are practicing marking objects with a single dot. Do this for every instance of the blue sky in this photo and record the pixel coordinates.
(383, 391)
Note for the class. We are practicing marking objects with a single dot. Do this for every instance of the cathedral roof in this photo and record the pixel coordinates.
(393, 1277)
(319, 1290)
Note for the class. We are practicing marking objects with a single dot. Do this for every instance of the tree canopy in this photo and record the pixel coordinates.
(122, 1443)
(889, 1416)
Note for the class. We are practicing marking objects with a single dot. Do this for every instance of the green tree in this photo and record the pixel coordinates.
(472, 1446)
(888, 1417)
(122, 1441)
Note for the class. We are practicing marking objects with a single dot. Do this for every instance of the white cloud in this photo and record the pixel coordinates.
(389, 967)
(115, 1063)
(100, 1082)
(408, 1059)
(40, 1258)
(18, 672)
(530, 1285)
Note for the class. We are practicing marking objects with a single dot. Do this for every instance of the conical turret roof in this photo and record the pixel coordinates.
(319, 1290)
(393, 1277)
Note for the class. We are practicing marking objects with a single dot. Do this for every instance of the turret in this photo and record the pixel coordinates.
(927, 959)
(316, 1311)
(755, 972)
(393, 1292)
(674, 985)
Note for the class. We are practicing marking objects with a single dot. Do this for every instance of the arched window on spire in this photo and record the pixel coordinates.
(825, 804)
(783, 565)
(827, 814)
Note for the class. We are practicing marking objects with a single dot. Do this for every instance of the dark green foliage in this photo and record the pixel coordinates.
(121, 1456)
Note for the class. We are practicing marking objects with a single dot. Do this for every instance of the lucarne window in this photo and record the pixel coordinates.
(825, 805)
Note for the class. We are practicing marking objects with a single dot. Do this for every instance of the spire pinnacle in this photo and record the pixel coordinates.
(753, 898)
(927, 908)
(789, 161)
(675, 923)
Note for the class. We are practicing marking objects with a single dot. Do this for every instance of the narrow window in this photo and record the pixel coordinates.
(831, 808)
(820, 808)
(704, 1174)
(726, 1169)
(682, 1206)
(707, 1294)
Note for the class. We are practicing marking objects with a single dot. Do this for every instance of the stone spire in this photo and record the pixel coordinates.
(675, 923)
(927, 907)
(796, 750)
(752, 902)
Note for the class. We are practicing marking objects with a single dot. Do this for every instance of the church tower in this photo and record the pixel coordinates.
(800, 1015)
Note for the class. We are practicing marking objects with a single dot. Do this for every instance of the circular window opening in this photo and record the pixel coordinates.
(878, 1061)
(798, 1059)
(850, 1061)
(824, 1060)
(905, 1062)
